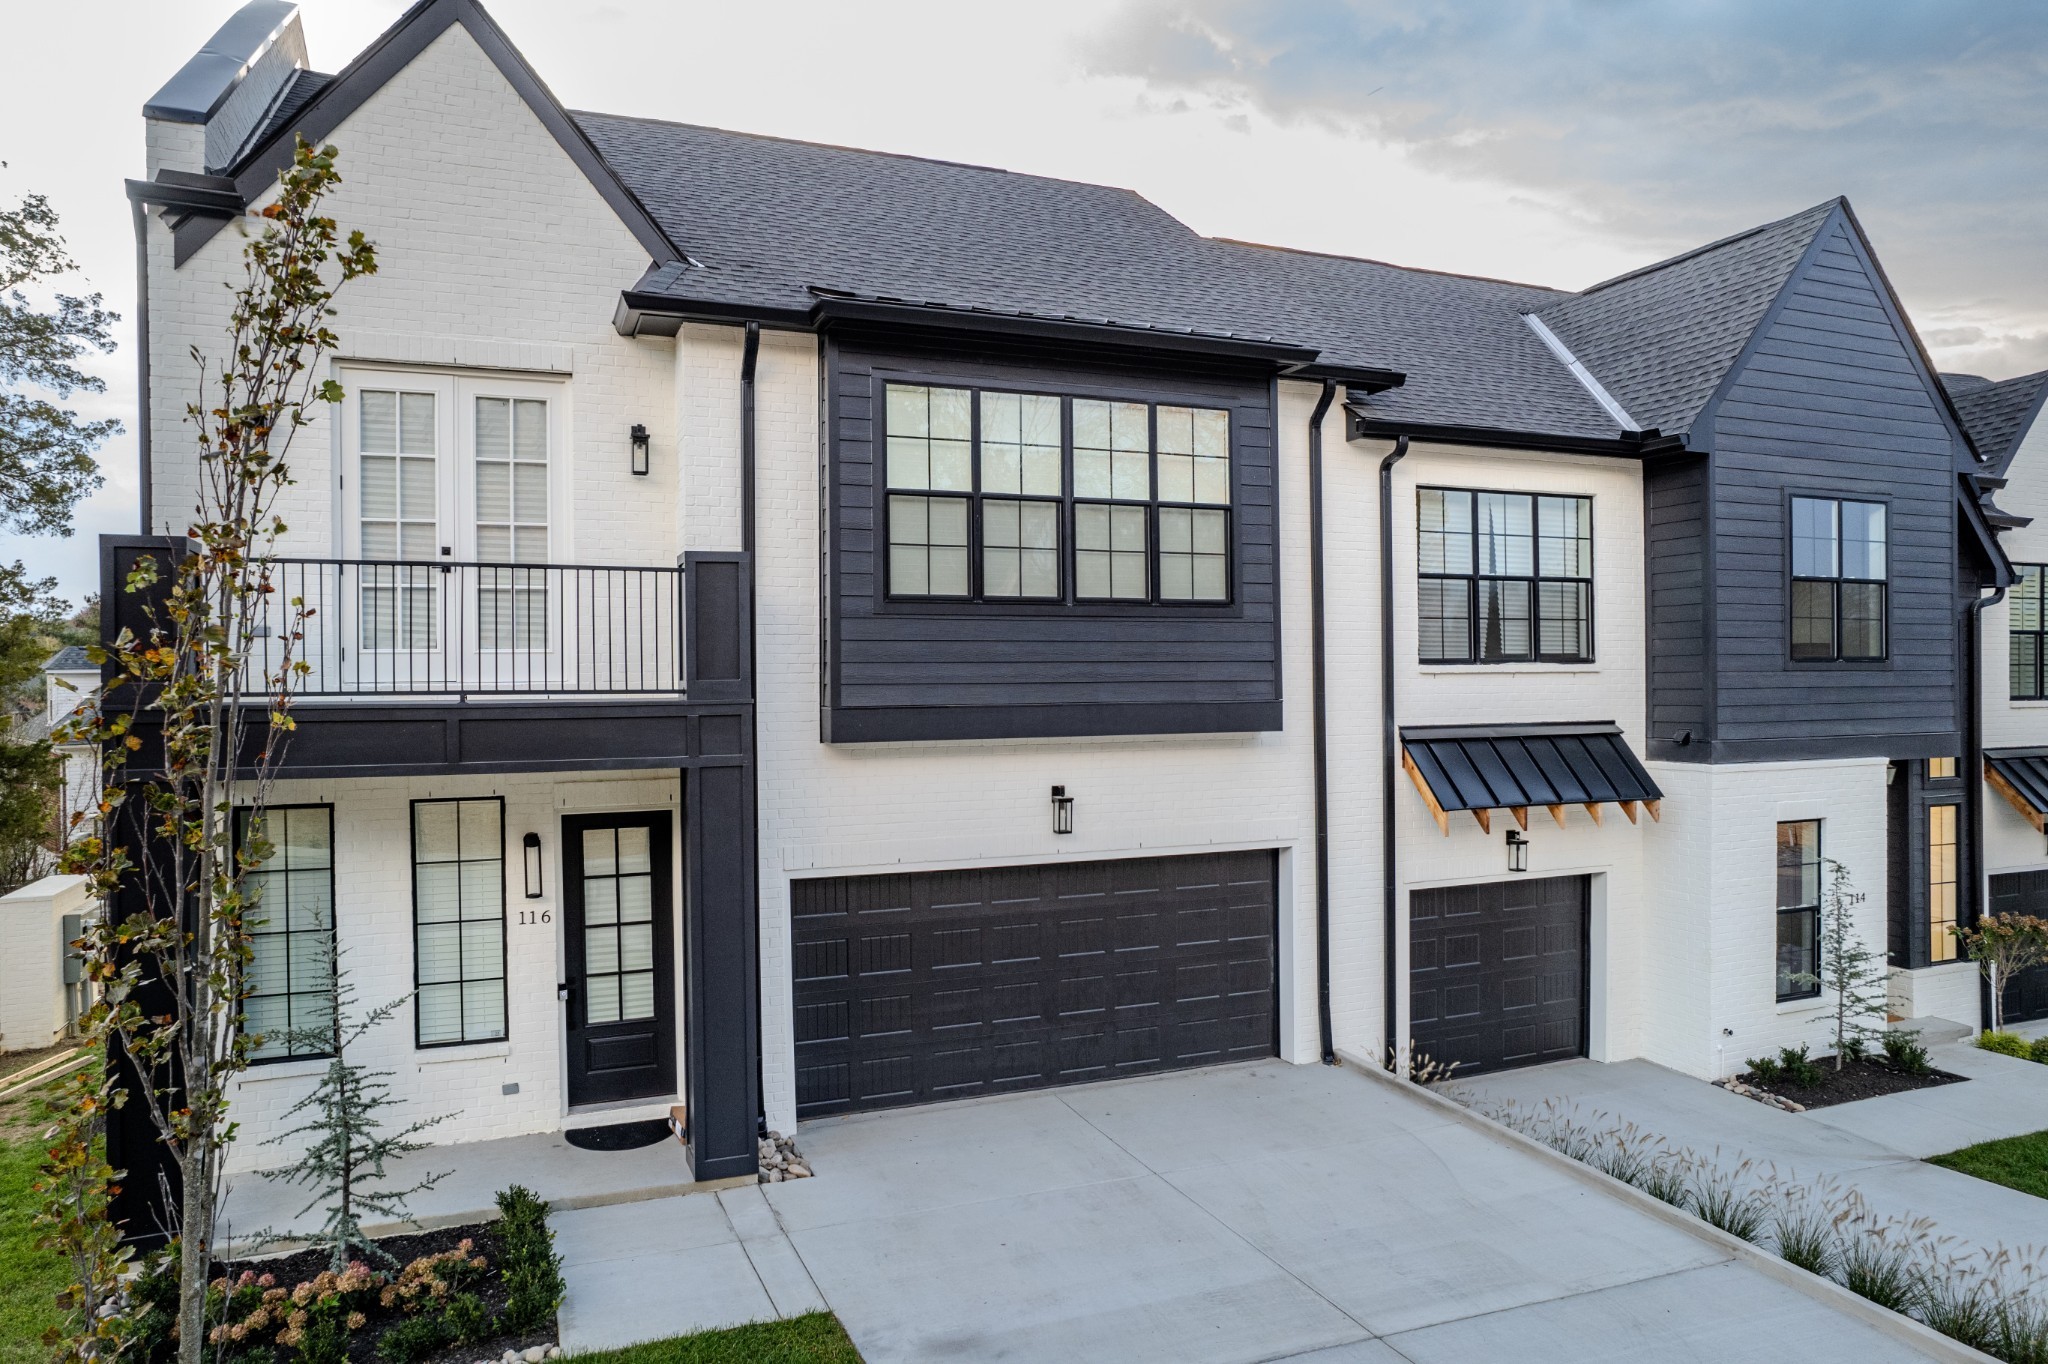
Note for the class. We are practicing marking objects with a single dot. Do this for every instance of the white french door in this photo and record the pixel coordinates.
(449, 480)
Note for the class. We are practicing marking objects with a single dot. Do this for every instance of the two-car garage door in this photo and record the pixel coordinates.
(940, 985)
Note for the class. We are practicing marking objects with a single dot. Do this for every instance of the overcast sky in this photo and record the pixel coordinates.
(1553, 141)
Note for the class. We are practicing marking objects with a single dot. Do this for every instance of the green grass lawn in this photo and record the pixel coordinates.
(29, 1278)
(2017, 1162)
(813, 1339)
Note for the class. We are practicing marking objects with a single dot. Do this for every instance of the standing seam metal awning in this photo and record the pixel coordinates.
(1482, 768)
(2021, 776)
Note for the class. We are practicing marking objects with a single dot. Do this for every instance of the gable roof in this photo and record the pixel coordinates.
(1661, 339)
(69, 659)
(1998, 415)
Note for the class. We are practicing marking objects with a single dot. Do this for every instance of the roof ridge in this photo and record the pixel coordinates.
(1386, 264)
(1698, 251)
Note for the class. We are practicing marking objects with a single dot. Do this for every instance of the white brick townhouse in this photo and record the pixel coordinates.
(804, 630)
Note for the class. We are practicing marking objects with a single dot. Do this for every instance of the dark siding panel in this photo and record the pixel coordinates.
(1831, 401)
(960, 662)
(1675, 513)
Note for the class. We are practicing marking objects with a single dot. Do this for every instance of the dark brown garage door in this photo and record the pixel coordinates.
(2023, 892)
(945, 985)
(1497, 973)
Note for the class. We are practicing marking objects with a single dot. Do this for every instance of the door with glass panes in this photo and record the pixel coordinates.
(448, 486)
(617, 913)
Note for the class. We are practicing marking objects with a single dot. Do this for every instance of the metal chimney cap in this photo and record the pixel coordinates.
(204, 83)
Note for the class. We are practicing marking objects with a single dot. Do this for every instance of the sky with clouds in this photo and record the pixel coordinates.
(1552, 141)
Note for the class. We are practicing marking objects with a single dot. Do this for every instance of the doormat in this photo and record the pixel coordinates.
(620, 1136)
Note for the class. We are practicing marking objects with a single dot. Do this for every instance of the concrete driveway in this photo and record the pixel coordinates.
(1876, 1146)
(1244, 1213)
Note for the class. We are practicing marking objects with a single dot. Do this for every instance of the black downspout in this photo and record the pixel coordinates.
(750, 354)
(1973, 759)
(1390, 740)
(142, 412)
(1318, 712)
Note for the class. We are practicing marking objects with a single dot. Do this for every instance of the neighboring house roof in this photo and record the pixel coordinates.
(1661, 339)
(297, 94)
(1997, 415)
(71, 658)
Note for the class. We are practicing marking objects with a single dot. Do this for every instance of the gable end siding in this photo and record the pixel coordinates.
(938, 671)
(1832, 400)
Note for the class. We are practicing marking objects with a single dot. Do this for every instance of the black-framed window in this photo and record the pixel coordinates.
(458, 898)
(1003, 496)
(290, 985)
(1503, 577)
(2028, 634)
(1799, 909)
(1838, 580)
(1944, 882)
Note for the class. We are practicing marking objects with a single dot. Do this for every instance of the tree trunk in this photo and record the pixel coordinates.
(195, 1260)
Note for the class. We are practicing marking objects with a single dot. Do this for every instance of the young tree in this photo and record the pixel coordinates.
(2003, 945)
(344, 1160)
(207, 716)
(1849, 970)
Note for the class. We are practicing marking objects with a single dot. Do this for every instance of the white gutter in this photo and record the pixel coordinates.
(1581, 373)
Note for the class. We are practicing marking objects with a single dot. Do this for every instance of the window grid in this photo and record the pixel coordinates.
(1942, 882)
(2028, 634)
(398, 505)
(618, 925)
(1799, 866)
(987, 491)
(1503, 577)
(458, 852)
(289, 999)
(1838, 581)
(511, 441)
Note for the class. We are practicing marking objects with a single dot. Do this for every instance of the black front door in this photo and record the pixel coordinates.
(617, 911)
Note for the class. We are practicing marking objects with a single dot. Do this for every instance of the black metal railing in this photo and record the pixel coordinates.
(441, 628)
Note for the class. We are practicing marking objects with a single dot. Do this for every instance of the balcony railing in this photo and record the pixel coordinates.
(442, 628)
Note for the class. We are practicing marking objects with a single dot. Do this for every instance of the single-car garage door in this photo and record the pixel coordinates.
(943, 985)
(2023, 892)
(1497, 972)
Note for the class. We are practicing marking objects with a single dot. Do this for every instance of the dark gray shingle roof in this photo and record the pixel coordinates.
(1963, 383)
(1660, 339)
(303, 86)
(1998, 415)
(767, 220)
(69, 659)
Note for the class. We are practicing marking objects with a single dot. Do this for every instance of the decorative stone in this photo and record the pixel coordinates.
(554, 1352)
(535, 1354)
(797, 1170)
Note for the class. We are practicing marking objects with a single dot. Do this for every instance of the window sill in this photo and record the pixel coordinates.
(1802, 1006)
(285, 1070)
(482, 1051)
(1505, 669)
(2041, 704)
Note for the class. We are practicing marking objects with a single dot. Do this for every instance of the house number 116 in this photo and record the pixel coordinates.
(536, 916)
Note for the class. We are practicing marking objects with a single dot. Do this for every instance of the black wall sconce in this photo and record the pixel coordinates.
(532, 846)
(1062, 811)
(639, 449)
(1518, 851)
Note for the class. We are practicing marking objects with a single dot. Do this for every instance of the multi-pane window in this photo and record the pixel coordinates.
(618, 925)
(458, 878)
(1838, 580)
(290, 1001)
(511, 521)
(2027, 634)
(1941, 882)
(1503, 577)
(398, 483)
(1034, 497)
(1941, 769)
(1799, 909)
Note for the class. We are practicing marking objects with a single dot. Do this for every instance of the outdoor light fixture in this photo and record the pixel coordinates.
(1062, 811)
(639, 449)
(1518, 851)
(532, 844)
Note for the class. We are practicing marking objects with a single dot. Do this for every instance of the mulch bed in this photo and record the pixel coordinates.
(1856, 1080)
(304, 1264)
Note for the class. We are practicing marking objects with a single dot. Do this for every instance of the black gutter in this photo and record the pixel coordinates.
(1318, 710)
(750, 354)
(142, 410)
(1630, 445)
(1973, 757)
(207, 196)
(1390, 738)
(834, 309)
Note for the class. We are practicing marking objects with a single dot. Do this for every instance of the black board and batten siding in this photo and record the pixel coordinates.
(1829, 400)
(967, 670)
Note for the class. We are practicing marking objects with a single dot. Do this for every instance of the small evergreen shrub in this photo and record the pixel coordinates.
(415, 1339)
(531, 1269)
(2039, 1050)
(2006, 1044)
(1905, 1051)
(1764, 1070)
(467, 1320)
(1798, 1067)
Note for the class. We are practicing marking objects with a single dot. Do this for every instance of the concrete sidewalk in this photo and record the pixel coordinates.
(1877, 1146)
(1244, 1213)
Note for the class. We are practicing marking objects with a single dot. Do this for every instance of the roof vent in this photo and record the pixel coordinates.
(233, 82)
